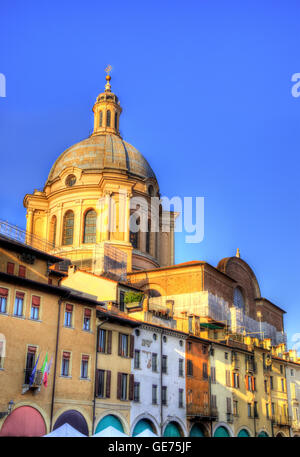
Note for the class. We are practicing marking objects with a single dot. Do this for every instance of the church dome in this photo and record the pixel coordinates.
(103, 151)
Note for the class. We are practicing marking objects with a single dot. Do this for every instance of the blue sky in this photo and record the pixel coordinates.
(206, 93)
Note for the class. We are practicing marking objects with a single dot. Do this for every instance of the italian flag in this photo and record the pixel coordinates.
(47, 371)
(44, 367)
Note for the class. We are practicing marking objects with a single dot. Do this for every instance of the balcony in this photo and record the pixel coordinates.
(201, 412)
(251, 366)
(229, 418)
(37, 382)
(235, 363)
(281, 420)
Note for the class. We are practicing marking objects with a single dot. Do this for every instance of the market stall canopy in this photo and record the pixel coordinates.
(65, 430)
(109, 432)
(146, 434)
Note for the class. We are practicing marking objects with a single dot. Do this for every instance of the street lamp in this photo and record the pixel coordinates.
(9, 410)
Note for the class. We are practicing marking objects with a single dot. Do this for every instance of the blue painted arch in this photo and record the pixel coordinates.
(172, 430)
(243, 433)
(263, 434)
(221, 432)
(143, 424)
(196, 430)
(109, 421)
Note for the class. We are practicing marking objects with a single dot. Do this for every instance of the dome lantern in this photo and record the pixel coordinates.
(107, 110)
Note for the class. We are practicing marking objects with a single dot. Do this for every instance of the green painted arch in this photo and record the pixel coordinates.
(221, 432)
(143, 424)
(263, 435)
(196, 430)
(172, 430)
(109, 421)
(243, 433)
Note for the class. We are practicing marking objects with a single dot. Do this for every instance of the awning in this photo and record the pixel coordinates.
(65, 431)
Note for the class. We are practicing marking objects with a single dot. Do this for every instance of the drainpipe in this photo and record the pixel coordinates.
(95, 374)
(161, 381)
(209, 389)
(55, 362)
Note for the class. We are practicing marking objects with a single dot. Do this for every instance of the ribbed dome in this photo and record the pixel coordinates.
(100, 152)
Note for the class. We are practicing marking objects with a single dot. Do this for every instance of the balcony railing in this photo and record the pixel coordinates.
(21, 236)
(281, 420)
(251, 366)
(202, 411)
(37, 381)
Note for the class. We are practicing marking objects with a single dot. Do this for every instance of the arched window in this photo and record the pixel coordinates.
(52, 235)
(108, 116)
(116, 121)
(148, 233)
(68, 228)
(151, 190)
(90, 220)
(134, 233)
(238, 298)
(101, 119)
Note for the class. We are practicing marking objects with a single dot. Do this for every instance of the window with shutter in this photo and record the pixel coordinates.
(154, 362)
(100, 383)
(68, 315)
(180, 398)
(22, 271)
(137, 359)
(164, 395)
(124, 386)
(87, 319)
(19, 301)
(154, 394)
(101, 340)
(164, 364)
(131, 346)
(65, 365)
(189, 368)
(124, 345)
(204, 371)
(108, 380)
(131, 387)
(228, 404)
(10, 268)
(213, 374)
(109, 340)
(3, 300)
(119, 384)
(84, 366)
(35, 306)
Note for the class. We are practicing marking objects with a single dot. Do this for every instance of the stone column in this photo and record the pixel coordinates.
(106, 216)
(127, 218)
(29, 226)
(59, 227)
(100, 217)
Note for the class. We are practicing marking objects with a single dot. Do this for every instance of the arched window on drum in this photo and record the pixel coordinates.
(238, 299)
(90, 221)
(68, 228)
(134, 231)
